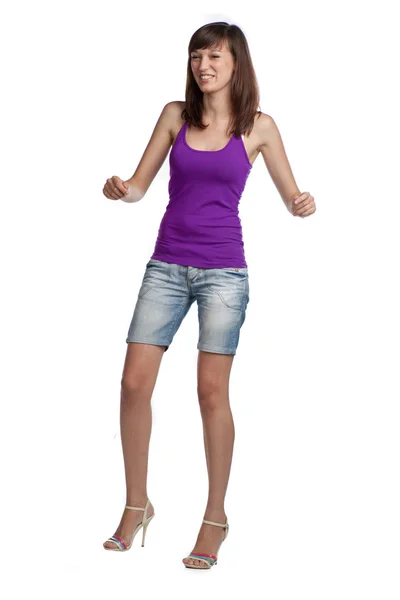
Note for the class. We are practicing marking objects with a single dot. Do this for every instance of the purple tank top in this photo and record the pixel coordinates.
(201, 226)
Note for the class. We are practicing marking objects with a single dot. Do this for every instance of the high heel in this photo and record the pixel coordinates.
(121, 545)
(209, 560)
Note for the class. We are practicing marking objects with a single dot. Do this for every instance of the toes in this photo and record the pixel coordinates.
(192, 561)
(110, 544)
(201, 564)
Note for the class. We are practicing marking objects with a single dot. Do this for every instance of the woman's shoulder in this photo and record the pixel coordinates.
(175, 108)
(262, 126)
(262, 120)
(174, 111)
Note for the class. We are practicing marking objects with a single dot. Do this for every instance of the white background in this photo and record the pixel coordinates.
(314, 492)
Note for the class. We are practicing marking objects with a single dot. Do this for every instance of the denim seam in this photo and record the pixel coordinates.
(220, 350)
(176, 319)
(157, 284)
(222, 298)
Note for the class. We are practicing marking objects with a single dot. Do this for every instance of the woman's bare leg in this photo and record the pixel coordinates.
(139, 376)
(213, 372)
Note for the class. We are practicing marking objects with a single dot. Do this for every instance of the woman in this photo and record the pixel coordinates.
(198, 255)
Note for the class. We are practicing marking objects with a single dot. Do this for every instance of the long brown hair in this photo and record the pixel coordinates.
(245, 93)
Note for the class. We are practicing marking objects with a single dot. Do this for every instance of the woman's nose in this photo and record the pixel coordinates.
(203, 64)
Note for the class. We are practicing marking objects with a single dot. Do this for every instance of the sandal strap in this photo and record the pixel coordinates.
(139, 508)
(208, 559)
(225, 525)
(118, 541)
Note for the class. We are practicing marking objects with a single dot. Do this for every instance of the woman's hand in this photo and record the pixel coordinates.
(115, 188)
(302, 205)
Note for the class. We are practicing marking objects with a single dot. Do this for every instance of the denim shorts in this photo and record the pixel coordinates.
(168, 291)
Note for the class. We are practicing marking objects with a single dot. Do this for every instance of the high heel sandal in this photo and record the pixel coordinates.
(209, 560)
(121, 546)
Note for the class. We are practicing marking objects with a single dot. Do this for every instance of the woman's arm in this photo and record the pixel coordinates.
(154, 155)
(276, 161)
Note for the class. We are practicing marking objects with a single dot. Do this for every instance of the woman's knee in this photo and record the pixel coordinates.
(140, 371)
(132, 386)
(213, 394)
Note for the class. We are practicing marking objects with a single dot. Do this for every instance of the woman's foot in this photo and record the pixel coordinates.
(129, 521)
(209, 539)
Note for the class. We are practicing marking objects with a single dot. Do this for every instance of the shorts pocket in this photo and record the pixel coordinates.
(157, 275)
(231, 285)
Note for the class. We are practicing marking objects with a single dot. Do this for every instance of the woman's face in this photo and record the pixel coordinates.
(217, 63)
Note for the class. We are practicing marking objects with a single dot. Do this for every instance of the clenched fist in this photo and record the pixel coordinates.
(115, 188)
